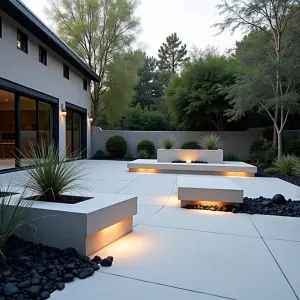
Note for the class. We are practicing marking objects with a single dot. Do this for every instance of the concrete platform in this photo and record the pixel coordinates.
(194, 190)
(227, 168)
(87, 226)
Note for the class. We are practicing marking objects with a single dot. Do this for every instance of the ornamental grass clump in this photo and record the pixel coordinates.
(210, 141)
(169, 142)
(13, 210)
(287, 165)
(51, 174)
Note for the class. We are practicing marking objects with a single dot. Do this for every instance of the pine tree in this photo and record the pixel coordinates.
(172, 54)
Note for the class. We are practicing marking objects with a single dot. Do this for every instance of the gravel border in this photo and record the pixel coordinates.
(34, 271)
(261, 206)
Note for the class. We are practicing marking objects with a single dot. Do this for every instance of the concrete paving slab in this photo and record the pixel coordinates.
(145, 212)
(226, 265)
(277, 227)
(107, 185)
(219, 222)
(151, 184)
(104, 286)
(287, 255)
(267, 187)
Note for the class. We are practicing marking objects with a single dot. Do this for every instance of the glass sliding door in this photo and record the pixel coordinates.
(7, 130)
(74, 133)
(45, 123)
(28, 128)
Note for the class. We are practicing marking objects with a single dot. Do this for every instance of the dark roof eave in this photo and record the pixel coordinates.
(28, 20)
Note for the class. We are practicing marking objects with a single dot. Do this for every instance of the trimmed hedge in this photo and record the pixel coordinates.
(190, 145)
(116, 145)
(146, 145)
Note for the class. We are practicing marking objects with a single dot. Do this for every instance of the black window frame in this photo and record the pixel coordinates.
(66, 71)
(0, 27)
(43, 53)
(22, 34)
(85, 84)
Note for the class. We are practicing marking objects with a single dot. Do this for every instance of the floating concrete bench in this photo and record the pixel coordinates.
(227, 168)
(86, 226)
(196, 190)
(210, 156)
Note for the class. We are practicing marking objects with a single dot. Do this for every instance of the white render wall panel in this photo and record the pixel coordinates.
(25, 69)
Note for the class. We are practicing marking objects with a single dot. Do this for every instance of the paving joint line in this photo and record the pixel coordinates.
(275, 259)
(196, 230)
(128, 184)
(167, 285)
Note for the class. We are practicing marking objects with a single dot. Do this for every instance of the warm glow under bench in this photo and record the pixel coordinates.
(239, 169)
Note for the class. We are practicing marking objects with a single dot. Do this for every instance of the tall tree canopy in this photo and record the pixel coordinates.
(270, 84)
(193, 96)
(149, 89)
(172, 54)
(100, 32)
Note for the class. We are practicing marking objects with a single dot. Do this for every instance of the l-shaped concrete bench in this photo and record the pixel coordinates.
(86, 226)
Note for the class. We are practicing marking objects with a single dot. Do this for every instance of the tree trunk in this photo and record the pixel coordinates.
(274, 130)
(279, 138)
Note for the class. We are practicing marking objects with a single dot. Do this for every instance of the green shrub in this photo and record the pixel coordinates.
(99, 155)
(190, 145)
(268, 133)
(129, 156)
(284, 165)
(52, 174)
(146, 145)
(257, 145)
(262, 154)
(231, 156)
(143, 154)
(292, 147)
(116, 145)
(210, 141)
(169, 142)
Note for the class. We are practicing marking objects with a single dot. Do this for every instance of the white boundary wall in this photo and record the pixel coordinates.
(234, 141)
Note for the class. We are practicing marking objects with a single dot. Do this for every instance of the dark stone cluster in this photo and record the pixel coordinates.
(276, 206)
(34, 271)
(193, 162)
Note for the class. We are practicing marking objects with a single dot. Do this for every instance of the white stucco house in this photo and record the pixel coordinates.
(44, 88)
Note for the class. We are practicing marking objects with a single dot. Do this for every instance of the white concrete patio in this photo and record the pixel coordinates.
(174, 253)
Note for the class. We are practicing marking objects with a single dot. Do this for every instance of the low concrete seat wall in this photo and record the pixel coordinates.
(210, 156)
(86, 226)
(223, 190)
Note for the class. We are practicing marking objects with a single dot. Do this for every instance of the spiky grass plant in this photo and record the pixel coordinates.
(210, 141)
(13, 210)
(51, 174)
(284, 165)
(169, 142)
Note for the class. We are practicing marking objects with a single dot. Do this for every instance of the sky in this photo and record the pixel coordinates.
(190, 19)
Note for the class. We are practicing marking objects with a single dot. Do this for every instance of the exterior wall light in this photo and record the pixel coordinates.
(91, 119)
(63, 111)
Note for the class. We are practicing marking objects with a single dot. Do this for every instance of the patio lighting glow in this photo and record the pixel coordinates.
(236, 174)
(63, 111)
(91, 119)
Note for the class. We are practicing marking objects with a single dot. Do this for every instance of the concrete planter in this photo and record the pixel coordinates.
(87, 226)
(210, 156)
